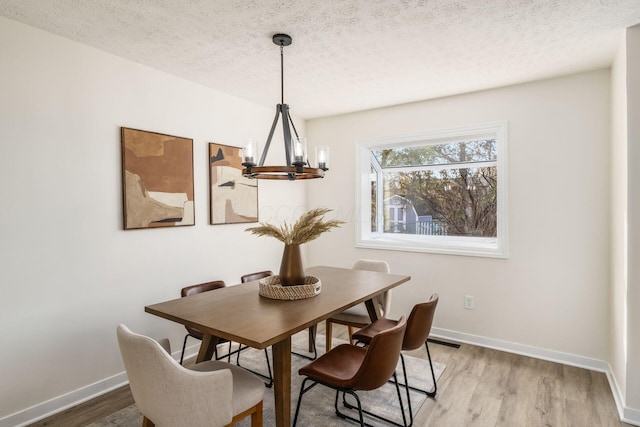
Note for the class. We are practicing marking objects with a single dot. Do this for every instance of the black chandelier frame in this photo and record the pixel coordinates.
(293, 170)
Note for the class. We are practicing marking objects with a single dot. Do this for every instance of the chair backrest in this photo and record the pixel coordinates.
(255, 276)
(202, 287)
(196, 289)
(168, 394)
(384, 300)
(381, 358)
(419, 323)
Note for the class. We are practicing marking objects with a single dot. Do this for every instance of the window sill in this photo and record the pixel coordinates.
(463, 246)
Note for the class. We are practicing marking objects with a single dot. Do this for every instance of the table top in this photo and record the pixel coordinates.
(238, 313)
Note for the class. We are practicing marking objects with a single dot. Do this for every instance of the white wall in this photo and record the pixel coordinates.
(633, 290)
(553, 291)
(619, 213)
(69, 272)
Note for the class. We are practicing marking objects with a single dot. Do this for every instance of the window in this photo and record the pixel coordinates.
(441, 192)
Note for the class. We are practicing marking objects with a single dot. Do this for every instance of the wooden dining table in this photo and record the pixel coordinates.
(240, 314)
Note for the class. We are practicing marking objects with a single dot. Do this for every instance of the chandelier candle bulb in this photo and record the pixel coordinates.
(299, 149)
(250, 152)
(322, 157)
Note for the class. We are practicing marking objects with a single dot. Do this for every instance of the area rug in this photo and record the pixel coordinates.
(317, 404)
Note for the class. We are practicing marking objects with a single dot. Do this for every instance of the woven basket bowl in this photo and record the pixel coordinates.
(270, 287)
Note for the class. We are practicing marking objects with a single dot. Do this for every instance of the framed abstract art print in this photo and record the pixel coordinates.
(233, 198)
(157, 176)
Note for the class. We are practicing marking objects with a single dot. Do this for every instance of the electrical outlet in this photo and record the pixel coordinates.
(468, 302)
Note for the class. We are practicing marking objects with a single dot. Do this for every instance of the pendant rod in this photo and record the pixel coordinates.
(281, 73)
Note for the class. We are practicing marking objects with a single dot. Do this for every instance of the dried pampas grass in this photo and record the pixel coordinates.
(308, 227)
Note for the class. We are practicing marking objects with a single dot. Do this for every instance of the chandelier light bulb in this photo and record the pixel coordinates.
(250, 153)
(322, 157)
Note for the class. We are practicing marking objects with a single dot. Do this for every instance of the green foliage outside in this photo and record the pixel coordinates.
(445, 182)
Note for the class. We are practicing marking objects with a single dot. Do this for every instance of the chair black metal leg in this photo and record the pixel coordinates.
(404, 417)
(218, 356)
(371, 414)
(302, 392)
(347, 405)
(313, 331)
(359, 408)
(240, 348)
(433, 375)
(406, 387)
(266, 355)
(227, 354)
(184, 346)
(312, 338)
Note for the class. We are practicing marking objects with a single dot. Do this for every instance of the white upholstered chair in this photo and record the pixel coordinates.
(358, 316)
(211, 393)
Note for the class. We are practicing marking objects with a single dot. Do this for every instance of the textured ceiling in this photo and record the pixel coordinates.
(346, 55)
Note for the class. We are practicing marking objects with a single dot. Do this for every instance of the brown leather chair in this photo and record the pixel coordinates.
(418, 329)
(358, 316)
(348, 368)
(193, 290)
(256, 276)
(312, 329)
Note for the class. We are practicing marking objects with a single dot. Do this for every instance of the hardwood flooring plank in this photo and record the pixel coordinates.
(603, 399)
(90, 411)
(487, 399)
(483, 410)
(580, 381)
(520, 394)
(480, 387)
(577, 414)
(547, 410)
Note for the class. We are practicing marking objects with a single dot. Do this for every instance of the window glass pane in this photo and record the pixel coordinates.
(373, 178)
(456, 152)
(448, 202)
(442, 192)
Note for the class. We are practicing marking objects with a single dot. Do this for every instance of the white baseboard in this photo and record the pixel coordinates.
(627, 415)
(525, 350)
(617, 394)
(73, 398)
(631, 416)
(60, 403)
(76, 397)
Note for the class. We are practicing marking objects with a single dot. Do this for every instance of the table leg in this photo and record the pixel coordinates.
(373, 310)
(207, 348)
(282, 379)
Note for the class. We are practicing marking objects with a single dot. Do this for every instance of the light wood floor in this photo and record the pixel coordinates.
(485, 387)
(480, 387)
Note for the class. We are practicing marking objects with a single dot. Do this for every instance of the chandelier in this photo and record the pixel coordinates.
(295, 147)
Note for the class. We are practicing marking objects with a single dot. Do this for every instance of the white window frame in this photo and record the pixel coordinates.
(496, 247)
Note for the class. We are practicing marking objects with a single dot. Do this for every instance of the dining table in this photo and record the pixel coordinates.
(238, 313)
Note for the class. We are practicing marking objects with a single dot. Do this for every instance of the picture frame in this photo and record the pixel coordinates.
(233, 198)
(157, 180)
